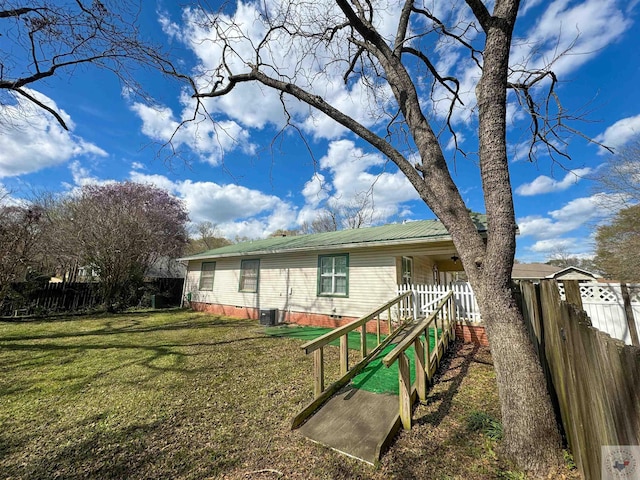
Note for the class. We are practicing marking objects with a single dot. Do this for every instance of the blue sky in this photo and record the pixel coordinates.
(243, 176)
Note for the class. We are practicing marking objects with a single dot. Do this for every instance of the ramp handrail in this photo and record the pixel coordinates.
(426, 362)
(405, 303)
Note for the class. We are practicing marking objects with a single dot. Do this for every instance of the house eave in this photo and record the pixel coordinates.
(342, 246)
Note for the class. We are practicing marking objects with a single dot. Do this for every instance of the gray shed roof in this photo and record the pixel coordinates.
(396, 233)
(533, 271)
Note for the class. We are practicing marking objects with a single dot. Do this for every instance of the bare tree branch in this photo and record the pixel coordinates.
(51, 38)
(481, 13)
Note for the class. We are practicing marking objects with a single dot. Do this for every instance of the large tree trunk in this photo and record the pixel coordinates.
(531, 434)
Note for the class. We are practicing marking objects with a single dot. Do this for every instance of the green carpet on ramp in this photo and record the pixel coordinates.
(375, 377)
(310, 333)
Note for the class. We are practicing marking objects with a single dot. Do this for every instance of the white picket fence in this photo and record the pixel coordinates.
(603, 303)
(427, 297)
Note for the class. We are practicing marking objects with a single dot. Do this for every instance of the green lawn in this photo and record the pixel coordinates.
(184, 395)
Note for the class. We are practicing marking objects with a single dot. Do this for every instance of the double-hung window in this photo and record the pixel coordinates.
(249, 271)
(207, 271)
(407, 270)
(333, 275)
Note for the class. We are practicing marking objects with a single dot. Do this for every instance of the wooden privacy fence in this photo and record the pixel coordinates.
(51, 297)
(402, 303)
(595, 378)
(441, 322)
(73, 297)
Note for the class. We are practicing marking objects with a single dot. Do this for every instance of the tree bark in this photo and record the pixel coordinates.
(531, 434)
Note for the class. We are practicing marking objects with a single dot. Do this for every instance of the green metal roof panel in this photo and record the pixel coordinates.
(429, 230)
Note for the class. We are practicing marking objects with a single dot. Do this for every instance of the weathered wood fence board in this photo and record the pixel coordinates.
(71, 297)
(596, 378)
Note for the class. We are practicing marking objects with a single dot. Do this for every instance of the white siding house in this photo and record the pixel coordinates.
(320, 279)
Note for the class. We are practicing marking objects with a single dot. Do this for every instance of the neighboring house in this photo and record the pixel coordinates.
(165, 267)
(321, 279)
(535, 272)
(575, 273)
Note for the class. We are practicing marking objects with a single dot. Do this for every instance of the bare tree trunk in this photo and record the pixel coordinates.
(531, 432)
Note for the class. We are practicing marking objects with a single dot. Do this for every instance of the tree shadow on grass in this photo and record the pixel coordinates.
(110, 328)
(454, 370)
(130, 452)
(156, 359)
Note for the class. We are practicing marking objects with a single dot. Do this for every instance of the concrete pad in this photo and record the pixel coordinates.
(355, 422)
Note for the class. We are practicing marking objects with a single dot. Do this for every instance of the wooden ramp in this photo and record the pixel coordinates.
(355, 422)
(349, 416)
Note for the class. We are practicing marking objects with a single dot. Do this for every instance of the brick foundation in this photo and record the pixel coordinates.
(319, 320)
(298, 318)
(226, 310)
(470, 333)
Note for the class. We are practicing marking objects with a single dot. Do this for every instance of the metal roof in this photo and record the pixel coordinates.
(527, 271)
(395, 233)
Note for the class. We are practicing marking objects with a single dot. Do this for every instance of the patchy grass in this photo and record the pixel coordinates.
(184, 395)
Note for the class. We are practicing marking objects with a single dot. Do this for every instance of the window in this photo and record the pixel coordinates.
(206, 275)
(249, 275)
(407, 270)
(333, 275)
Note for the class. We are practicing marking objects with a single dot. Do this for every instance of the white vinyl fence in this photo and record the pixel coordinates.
(604, 304)
(427, 297)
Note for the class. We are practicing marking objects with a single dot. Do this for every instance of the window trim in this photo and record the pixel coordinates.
(202, 277)
(409, 262)
(333, 275)
(243, 277)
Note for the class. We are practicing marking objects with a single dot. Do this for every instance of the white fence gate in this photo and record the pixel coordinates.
(427, 297)
(603, 302)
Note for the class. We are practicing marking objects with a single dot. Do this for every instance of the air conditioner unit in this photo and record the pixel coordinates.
(268, 317)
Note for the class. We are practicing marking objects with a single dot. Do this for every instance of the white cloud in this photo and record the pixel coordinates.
(32, 139)
(544, 184)
(575, 214)
(210, 140)
(309, 63)
(138, 166)
(81, 175)
(5, 196)
(618, 134)
(556, 245)
(315, 190)
(351, 175)
(583, 29)
(529, 4)
(159, 181)
(565, 229)
(237, 210)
